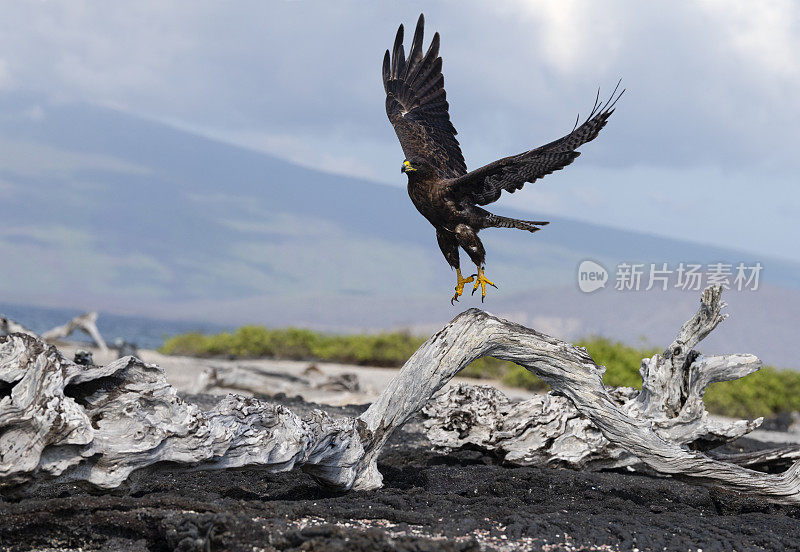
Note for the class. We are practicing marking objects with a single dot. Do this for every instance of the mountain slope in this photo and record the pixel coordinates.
(105, 210)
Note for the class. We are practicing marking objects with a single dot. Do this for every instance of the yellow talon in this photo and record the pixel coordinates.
(481, 281)
(460, 281)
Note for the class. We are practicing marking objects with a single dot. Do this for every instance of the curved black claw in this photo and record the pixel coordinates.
(454, 298)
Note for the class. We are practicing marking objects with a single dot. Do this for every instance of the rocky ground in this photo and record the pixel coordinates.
(462, 501)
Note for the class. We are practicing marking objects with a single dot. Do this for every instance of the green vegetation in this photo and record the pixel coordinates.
(383, 349)
(766, 392)
(761, 394)
(621, 362)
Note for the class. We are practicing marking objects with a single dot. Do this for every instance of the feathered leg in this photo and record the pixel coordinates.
(449, 246)
(469, 241)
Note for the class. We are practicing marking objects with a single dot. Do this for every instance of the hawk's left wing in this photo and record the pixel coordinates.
(484, 185)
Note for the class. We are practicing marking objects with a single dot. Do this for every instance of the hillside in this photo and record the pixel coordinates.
(108, 211)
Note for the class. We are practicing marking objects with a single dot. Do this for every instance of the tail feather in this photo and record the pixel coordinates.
(496, 221)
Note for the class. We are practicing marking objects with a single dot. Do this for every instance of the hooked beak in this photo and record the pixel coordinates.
(407, 167)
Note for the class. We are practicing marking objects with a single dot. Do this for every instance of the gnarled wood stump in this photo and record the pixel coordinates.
(64, 421)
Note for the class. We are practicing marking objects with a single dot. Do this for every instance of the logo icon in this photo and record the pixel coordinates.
(591, 276)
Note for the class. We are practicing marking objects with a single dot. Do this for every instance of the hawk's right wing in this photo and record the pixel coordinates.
(417, 106)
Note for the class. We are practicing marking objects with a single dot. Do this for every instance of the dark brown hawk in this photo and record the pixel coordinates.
(438, 182)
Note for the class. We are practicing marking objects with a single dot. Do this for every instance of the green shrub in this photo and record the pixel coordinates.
(384, 349)
(766, 392)
(621, 362)
(191, 344)
(487, 368)
(517, 376)
(246, 342)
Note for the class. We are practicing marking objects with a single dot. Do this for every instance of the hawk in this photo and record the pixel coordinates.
(438, 182)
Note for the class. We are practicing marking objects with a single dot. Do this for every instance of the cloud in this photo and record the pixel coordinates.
(711, 87)
(765, 38)
(35, 113)
(6, 82)
(710, 82)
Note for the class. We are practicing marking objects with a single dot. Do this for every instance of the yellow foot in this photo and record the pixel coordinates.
(481, 280)
(460, 285)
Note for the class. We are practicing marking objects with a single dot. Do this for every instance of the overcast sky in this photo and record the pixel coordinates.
(702, 146)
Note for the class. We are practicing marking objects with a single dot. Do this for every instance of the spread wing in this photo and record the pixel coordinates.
(417, 106)
(483, 186)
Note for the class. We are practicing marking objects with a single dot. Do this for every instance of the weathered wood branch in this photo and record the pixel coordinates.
(772, 458)
(86, 322)
(257, 379)
(8, 326)
(70, 422)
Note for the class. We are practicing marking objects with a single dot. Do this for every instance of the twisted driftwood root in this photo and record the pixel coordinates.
(86, 322)
(67, 422)
(550, 430)
(256, 379)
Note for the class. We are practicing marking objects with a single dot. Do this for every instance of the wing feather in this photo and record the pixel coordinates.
(398, 61)
(416, 103)
(485, 185)
(415, 53)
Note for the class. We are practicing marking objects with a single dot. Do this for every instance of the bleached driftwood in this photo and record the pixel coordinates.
(544, 430)
(768, 459)
(547, 430)
(98, 424)
(550, 430)
(86, 322)
(60, 420)
(8, 326)
(261, 380)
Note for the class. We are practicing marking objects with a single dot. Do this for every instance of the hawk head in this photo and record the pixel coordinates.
(417, 168)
